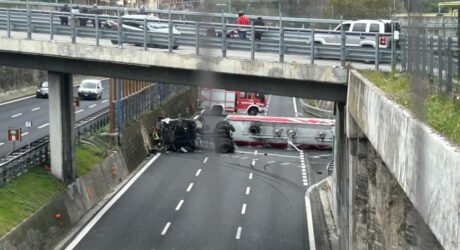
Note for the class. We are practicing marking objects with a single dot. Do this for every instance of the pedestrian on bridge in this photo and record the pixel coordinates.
(242, 20)
(64, 19)
(258, 34)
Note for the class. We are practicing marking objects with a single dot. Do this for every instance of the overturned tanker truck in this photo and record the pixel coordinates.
(281, 132)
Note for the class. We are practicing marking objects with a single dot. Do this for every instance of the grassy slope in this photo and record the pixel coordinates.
(440, 111)
(24, 195)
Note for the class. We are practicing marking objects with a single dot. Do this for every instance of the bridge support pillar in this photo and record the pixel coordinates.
(62, 122)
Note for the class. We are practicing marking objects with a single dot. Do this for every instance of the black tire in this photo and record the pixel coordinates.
(100, 96)
(39, 96)
(253, 111)
(254, 129)
(216, 110)
(225, 146)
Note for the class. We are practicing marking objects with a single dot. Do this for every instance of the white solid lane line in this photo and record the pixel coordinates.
(179, 205)
(238, 233)
(35, 109)
(44, 125)
(16, 115)
(250, 176)
(248, 190)
(190, 186)
(17, 100)
(205, 160)
(104, 210)
(198, 172)
(243, 209)
(295, 106)
(165, 229)
(78, 111)
(92, 106)
(104, 101)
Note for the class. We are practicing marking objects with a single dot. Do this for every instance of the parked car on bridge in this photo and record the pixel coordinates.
(363, 34)
(90, 89)
(157, 30)
(42, 90)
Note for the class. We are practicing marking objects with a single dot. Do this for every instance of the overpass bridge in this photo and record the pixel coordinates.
(62, 59)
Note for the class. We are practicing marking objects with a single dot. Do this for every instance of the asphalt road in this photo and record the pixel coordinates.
(15, 114)
(252, 199)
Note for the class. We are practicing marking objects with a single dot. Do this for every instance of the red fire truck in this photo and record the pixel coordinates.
(220, 101)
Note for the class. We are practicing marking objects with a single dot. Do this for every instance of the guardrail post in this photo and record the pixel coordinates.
(145, 33)
(281, 44)
(197, 38)
(120, 33)
(29, 25)
(377, 51)
(424, 55)
(96, 20)
(170, 36)
(431, 54)
(312, 46)
(224, 40)
(393, 47)
(449, 65)
(252, 41)
(8, 23)
(51, 26)
(342, 44)
(72, 27)
(440, 61)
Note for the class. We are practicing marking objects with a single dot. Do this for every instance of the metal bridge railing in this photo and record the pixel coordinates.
(277, 40)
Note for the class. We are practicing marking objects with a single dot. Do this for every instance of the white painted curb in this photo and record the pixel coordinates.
(311, 233)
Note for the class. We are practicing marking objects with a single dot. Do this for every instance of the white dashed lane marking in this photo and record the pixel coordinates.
(190, 186)
(78, 111)
(44, 125)
(16, 115)
(92, 106)
(198, 172)
(248, 190)
(238, 233)
(179, 205)
(35, 109)
(250, 176)
(104, 101)
(205, 160)
(165, 229)
(25, 133)
(1, 143)
(243, 209)
(304, 165)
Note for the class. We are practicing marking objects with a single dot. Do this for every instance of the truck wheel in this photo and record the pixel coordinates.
(216, 110)
(253, 111)
(225, 145)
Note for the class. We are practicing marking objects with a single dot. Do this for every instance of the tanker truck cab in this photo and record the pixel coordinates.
(221, 101)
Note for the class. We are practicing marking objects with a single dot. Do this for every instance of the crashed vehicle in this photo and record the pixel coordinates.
(177, 135)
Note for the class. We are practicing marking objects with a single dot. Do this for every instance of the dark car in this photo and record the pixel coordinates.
(42, 90)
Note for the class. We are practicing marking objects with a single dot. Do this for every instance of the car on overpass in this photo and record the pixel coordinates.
(361, 33)
(42, 90)
(157, 30)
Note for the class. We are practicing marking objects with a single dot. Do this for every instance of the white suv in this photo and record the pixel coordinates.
(363, 34)
(90, 88)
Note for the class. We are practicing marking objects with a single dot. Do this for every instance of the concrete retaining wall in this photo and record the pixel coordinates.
(422, 163)
(182, 105)
(50, 224)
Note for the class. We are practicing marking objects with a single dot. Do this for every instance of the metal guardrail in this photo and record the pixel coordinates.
(317, 112)
(276, 40)
(21, 160)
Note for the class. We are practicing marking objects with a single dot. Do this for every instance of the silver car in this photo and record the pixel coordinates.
(42, 90)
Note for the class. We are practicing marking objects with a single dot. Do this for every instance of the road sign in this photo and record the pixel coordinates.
(28, 124)
(14, 134)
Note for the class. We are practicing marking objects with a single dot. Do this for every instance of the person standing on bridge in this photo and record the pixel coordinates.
(242, 20)
(64, 19)
(258, 34)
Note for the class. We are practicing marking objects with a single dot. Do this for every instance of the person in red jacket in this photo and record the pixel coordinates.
(242, 20)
